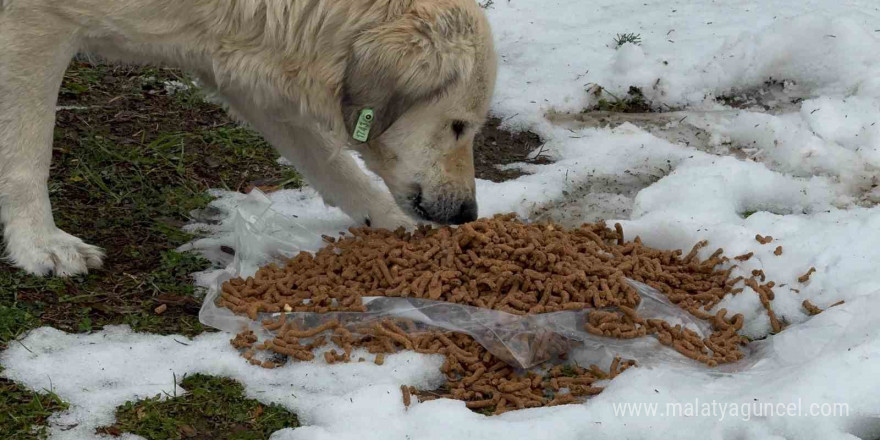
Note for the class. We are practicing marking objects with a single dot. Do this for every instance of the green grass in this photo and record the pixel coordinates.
(127, 171)
(23, 413)
(211, 408)
(81, 305)
(131, 162)
(15, 319)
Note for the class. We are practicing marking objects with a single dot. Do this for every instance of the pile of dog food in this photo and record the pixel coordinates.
(473, 374)
(498, 263)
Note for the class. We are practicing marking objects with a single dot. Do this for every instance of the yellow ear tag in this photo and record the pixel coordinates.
(362, 129)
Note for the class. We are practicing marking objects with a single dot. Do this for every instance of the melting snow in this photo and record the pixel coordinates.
(803, 169)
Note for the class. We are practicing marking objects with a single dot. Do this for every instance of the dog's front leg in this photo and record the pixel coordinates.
(33, 58)
(319, 156)
(335, 174)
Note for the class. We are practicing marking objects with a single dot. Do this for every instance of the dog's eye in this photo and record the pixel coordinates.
(458, 128)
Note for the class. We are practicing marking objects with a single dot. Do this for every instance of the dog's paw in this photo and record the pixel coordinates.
(56, 253)
(391, 219)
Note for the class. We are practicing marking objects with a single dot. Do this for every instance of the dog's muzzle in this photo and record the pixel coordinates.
(455, 213)
(466, 213)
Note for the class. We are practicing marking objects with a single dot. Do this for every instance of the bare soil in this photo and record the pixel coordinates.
(494, 147)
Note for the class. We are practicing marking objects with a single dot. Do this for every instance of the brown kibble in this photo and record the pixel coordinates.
(562, 399)
(763, 240)
(806, 277)
(311, 332)
(774, 322)
(778, 251)
(407, 397)
(745, 257)
(161, 309)
(759, 273)
(519, 274)
(501, 264)
(272, 326)
(514, 387)
(478, 404)
(811, 308)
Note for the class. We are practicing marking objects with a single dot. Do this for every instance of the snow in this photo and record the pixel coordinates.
(97, 372)
(800, 165)
(557, 47)
(175, 87)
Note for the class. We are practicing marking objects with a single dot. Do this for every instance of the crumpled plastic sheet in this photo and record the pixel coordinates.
(263, 235)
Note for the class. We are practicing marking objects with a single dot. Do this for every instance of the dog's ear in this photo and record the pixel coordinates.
(409, 60)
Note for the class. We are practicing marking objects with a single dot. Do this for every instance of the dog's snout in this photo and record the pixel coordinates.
(443, 210)
(466, 213)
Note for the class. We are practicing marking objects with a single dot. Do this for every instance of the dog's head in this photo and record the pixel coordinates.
(428, 77)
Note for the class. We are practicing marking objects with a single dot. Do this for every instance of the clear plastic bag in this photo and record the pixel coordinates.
(263, 235)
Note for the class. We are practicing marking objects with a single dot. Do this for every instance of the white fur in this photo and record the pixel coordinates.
(296, 70)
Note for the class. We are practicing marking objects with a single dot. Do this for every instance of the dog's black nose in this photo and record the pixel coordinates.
(466, 213)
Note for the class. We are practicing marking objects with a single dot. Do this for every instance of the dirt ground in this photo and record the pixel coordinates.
(494, 147)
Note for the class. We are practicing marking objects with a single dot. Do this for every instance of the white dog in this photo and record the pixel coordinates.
(406, 83)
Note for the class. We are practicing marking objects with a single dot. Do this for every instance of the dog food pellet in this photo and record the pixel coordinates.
(494, 263)
(745, 257)
(806, 277)
(811, 308)
(501, 264)
(763, 240)
(778, 251)
(407, 397)
(161, 309)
